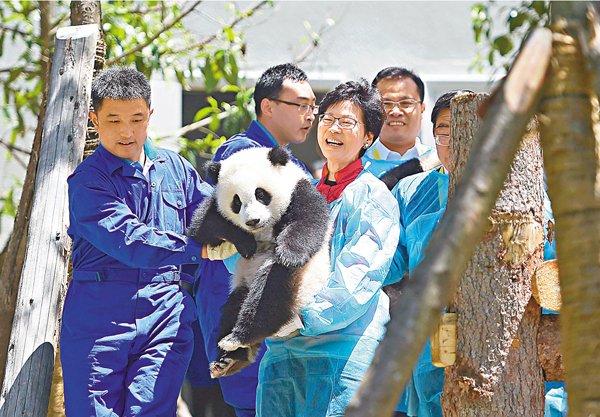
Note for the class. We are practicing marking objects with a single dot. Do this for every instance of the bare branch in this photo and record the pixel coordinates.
(153, 38)
(199, 125)
(56, 25)
(13, 148)
(315, 41)
(20, 32)
(24, 70)
(202, 43)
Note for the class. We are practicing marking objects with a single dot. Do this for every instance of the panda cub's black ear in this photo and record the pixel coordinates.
(279, 156)
(212, 169)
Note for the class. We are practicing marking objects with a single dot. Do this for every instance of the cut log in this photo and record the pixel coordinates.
(548, 345)
(545, 285)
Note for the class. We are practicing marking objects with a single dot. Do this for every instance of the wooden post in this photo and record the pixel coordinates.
(34, 336)
(497, 372)
(570, 139)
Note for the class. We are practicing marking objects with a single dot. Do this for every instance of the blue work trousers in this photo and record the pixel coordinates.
(125, 346)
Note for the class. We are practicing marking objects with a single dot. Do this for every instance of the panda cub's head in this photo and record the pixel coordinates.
(254, 186)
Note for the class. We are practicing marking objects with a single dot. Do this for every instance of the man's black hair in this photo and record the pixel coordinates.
(401, 72)
(367, 97)
(270, 82)
(443, 102)
(120, 83)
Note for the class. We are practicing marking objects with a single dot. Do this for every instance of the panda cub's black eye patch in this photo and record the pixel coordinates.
(236, 204)
(263, 196)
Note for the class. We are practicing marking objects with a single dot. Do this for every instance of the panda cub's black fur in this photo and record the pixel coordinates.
(413, 166)
(269, 209)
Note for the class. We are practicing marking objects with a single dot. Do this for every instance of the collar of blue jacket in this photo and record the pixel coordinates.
(261, 135)
(114, 162)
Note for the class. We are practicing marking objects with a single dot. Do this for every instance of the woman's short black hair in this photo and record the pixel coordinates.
(365, 96)
(120, 83)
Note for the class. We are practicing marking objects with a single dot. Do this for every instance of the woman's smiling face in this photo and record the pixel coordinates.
(342, 146)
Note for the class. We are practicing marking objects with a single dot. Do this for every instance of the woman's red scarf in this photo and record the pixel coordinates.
(333, 191)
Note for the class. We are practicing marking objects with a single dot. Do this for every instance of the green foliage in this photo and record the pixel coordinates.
(9, 201)
(501, 43)
(148, 34)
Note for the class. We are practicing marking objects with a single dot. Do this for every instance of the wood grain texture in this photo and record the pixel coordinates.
(570, 138)
(34, 336)
(497, 372)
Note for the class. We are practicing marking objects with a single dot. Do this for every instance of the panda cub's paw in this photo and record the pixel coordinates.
(231, 362)
(231, 343)
(225, 366)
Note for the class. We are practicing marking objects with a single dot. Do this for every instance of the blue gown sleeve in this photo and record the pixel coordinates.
(370, 237)
(108, 223)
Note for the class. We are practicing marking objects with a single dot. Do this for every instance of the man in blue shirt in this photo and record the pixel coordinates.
(126, 337)
(285, 109)
(403, 93)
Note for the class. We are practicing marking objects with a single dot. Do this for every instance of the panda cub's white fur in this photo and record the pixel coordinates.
(241, 174)
(261, 191)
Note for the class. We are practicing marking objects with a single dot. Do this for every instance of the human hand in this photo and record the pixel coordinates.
(223, 251)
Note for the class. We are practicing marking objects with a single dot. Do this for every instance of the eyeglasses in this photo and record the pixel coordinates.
(302, 107)
(408, 104)
(346, 123)
(442, 140)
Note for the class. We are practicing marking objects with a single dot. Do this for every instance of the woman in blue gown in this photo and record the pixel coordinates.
(315, 370)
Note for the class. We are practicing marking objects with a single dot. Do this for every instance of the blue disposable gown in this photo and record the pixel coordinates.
(316, 372)
(422, 202)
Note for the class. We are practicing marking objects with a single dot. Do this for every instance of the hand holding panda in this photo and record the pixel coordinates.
(269, 209)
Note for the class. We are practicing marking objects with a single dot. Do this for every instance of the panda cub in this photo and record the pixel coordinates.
(269, 209)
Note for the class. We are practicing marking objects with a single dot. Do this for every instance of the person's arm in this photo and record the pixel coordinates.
(360, 268)
(104, 220)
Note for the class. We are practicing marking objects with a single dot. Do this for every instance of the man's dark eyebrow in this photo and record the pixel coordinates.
(117, 115)
(304, 98)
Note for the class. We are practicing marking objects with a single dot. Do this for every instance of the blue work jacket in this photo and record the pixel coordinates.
(120, 218)
(255, 137)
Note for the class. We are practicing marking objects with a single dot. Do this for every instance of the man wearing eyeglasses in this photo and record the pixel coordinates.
(285, 110)
(403, 93)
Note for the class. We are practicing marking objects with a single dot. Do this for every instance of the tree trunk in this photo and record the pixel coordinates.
(568, 120)
(436, 278)
(82, 13)
(14, 252)
(34, 335)
(497, 372)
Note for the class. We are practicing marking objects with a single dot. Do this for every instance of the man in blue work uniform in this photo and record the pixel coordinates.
(403, 93)
(285, 109)
(126, 337)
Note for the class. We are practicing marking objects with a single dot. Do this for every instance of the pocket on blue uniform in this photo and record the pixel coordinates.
(174, 210)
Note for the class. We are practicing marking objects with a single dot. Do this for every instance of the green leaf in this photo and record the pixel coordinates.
(503, 44)
(517, 21)
(228, 88)
(203, 113)
(2, 37)
(212, 102)
(210, 82)
(539, 7)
